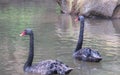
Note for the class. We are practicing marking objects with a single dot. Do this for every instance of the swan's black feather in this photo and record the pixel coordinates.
(85, 54)
(46, 67)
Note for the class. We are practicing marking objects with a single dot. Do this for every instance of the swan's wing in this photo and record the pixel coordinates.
(51, 67)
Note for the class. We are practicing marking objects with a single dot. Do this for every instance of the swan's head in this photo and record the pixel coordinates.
(27, 31)
(80, 18)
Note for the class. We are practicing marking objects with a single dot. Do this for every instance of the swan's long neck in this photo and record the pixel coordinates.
(31, 52)
(81, 35)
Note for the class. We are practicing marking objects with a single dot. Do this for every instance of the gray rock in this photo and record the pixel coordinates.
(91, 8)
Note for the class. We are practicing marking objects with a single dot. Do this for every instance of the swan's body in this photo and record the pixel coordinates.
(46, 67)
(49, 67)
(85, 54)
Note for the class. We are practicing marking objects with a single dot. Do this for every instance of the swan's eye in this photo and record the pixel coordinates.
(23, 33)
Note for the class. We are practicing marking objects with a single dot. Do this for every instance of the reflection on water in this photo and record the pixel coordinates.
(66, 28)
(85, 68)
(101, 35)
(55, 38)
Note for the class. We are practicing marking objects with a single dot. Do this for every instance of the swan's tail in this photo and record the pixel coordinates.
(68, 70)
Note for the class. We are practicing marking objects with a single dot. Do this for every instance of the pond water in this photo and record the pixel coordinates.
(56, 36)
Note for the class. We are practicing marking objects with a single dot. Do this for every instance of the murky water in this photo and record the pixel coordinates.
(55, 38)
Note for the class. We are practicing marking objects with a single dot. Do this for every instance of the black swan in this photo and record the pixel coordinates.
(85, 54)
(46, 67)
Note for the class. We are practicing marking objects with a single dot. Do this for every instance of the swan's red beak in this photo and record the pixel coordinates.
(22, 34)
(76, 19)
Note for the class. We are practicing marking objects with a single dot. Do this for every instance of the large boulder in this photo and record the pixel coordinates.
(65, 5)
(91, 8)
(118, 2)
(116, 13)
